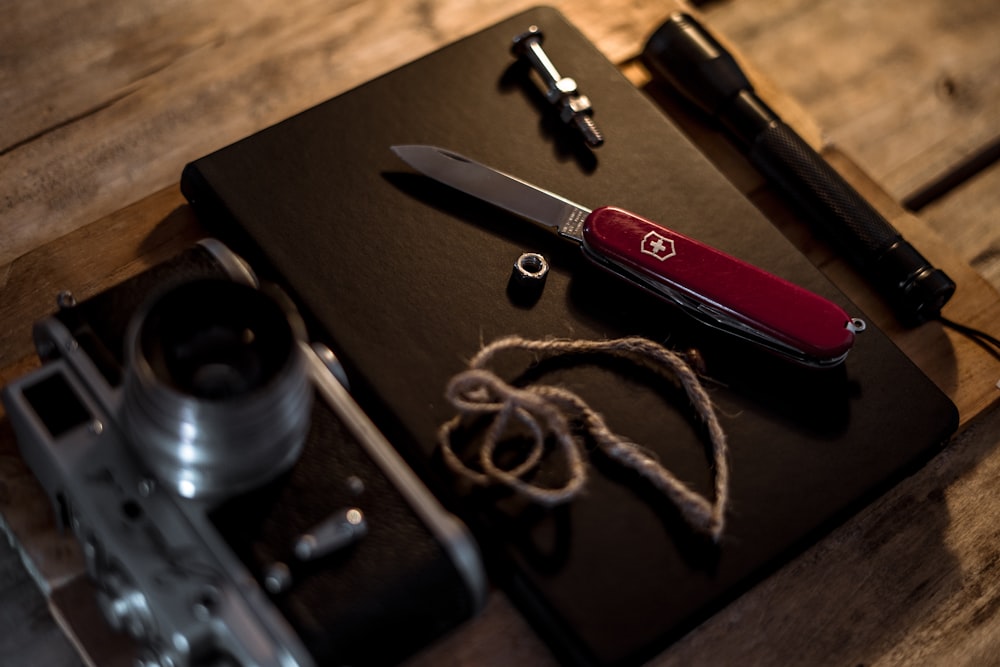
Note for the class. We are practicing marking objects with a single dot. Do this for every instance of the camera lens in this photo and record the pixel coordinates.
(216, 397)
(212, 345)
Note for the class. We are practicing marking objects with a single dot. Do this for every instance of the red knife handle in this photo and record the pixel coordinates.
(721, 284)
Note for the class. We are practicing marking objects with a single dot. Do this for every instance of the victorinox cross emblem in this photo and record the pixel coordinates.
(658, 245)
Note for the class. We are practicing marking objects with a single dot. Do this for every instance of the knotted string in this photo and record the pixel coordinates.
(546, 410)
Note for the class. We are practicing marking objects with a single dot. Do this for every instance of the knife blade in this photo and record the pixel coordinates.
(717, 289)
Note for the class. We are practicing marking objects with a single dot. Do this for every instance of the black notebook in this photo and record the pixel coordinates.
(405, 279)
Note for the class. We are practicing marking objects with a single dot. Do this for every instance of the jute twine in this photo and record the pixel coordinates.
(546, 410)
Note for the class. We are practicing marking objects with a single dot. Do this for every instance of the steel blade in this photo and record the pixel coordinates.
(497, 188)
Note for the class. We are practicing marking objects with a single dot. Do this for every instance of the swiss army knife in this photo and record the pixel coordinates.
(717, 289)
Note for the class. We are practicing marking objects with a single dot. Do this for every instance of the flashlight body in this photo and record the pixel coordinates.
(686, 56)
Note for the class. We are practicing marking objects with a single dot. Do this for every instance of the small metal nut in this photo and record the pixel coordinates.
(576, 105)
(530, 270)
(564, 88)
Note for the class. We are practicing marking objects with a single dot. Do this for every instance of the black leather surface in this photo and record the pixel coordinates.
(372, 603)
(406, 278)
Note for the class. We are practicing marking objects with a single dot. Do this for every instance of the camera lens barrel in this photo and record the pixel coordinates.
(216, 396)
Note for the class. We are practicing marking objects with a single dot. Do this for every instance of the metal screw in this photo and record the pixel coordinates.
(574, 108)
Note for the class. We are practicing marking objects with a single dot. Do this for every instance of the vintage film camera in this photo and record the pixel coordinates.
(234, 504)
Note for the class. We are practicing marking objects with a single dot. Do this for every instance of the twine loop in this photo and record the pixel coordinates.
(546, 411)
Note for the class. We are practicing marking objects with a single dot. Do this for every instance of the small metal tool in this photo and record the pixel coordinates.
(340, 529)
(574, 109)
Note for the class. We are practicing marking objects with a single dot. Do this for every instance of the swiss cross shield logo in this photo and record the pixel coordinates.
(658, 245)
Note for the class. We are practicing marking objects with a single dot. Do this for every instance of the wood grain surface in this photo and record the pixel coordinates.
(104, 101)
(908, 89)
(969, 217)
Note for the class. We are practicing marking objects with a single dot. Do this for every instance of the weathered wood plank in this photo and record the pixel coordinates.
(970, 218)
(104, 102)
(88, 261)
(906, 89)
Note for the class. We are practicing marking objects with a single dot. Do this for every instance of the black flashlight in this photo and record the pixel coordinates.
(686, 56)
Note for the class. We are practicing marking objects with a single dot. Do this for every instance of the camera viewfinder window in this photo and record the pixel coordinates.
(56, 404)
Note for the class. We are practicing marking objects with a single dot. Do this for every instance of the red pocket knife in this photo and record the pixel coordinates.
(717, 289)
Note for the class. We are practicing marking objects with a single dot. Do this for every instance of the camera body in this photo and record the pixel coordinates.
(234, 504)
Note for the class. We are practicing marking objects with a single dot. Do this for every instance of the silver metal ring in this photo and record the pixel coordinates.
(530, 269)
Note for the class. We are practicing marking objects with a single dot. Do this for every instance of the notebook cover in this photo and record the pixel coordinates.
(405, 279)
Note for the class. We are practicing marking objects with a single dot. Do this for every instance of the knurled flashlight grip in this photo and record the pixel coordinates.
(682, 53)
(917, 289)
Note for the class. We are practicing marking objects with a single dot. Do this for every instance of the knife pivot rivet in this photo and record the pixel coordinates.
(529, 272)
(574, 108)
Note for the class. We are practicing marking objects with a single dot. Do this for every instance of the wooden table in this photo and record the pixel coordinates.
(104, 102)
